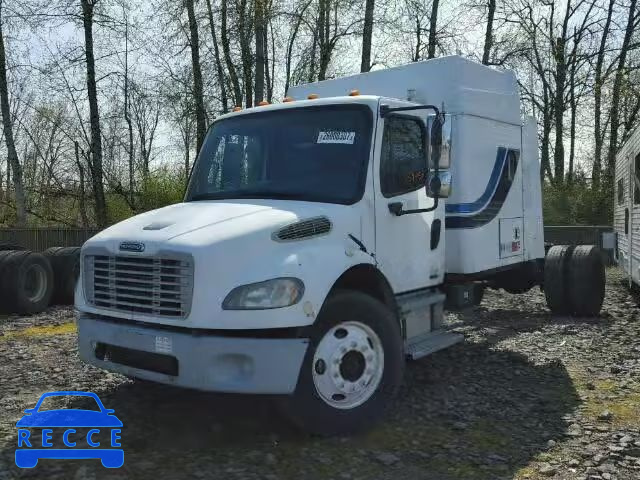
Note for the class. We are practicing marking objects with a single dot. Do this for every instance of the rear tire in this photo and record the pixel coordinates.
(556, 265)
(586, 281)
(26, 281)
(352, 369)
(65, 262)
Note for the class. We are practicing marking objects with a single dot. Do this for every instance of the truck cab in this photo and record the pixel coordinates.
(316, 241)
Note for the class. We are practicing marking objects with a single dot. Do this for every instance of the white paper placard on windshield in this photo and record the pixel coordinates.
(336, 136)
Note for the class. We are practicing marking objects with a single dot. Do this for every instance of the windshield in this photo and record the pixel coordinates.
(313, 153)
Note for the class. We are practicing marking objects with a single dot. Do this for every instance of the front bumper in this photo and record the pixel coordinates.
(203, 362)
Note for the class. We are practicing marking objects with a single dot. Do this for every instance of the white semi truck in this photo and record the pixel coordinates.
(319, 239)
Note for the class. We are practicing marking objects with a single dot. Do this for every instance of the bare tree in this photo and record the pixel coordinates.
(198, 89)
(633, 17)
(367, 34)
(260, 50)
(224, 36)
(94, 120)
(433, 28)
(218, 60)
(597, 98)
(488, 36)
(12, 157)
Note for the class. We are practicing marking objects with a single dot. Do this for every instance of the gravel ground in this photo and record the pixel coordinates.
(527, 395)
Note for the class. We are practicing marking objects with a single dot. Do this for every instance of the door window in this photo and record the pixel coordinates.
(403, 157)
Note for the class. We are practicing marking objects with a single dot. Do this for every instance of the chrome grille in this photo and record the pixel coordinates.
(158, 286)
(312, 227)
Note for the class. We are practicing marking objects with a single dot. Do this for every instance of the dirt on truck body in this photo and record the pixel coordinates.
(528, 395)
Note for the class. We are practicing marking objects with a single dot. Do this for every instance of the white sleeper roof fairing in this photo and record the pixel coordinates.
(462, 85)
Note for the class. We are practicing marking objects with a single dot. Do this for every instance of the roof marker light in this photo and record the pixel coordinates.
(237, 109)
(354, 93)
(263, 103)
(287, 99)
(312, 96)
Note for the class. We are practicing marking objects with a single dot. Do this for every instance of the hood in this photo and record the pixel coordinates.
(170, 222)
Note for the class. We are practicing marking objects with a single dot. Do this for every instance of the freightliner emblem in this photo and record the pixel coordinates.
(132, 247)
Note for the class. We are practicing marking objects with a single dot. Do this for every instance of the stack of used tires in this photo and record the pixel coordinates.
(574, 280)
(65, 262)
(31, 281)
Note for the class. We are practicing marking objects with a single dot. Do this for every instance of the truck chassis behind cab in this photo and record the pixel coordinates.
(320, 238)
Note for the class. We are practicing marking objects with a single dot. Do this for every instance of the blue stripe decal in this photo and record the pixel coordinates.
(491, 210)
(491, 187)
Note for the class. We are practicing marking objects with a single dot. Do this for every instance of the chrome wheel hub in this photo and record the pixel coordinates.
(348, 365)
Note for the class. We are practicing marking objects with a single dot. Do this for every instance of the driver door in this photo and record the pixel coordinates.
(409, 248)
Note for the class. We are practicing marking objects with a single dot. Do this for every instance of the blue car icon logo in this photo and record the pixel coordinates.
(102, 429)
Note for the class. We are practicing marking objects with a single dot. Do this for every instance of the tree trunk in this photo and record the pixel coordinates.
(573, 104)
(433, 25)
(488, 36)
(367, 34)
(597, 97)
(269, 63)
(201, 122)
(12, 154)
(546, 133)
(245, 51)
(216, 53)
(127, 114)
(81, 194)
(260, 48)
(187, 141)
(324, 23)
(559, 109)
(616, 92)
(94, 117)
(416, 53)
(224, 37)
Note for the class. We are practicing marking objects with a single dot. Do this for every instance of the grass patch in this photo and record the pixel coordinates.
(41, 331)
(625, 408)
(484, 436)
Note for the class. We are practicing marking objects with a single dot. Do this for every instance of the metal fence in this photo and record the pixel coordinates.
(579, 235)
(39, 239)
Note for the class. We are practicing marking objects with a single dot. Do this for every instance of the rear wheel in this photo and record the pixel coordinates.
(556, 265)
(586, 281)
(352, 369)
(27, 281)
(65, 262)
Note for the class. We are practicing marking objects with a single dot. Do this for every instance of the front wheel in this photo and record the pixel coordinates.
(352, 369)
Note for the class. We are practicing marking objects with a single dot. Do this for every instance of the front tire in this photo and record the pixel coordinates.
(352, 369)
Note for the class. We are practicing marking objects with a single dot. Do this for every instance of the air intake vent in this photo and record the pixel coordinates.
(313, 227)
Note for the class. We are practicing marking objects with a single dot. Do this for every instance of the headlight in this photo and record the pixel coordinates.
(276, 293)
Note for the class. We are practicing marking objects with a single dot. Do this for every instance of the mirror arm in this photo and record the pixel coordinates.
(396, 208)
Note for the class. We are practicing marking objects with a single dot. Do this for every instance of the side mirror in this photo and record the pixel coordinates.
(436, 141)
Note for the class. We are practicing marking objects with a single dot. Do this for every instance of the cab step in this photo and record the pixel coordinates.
(431, 342)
